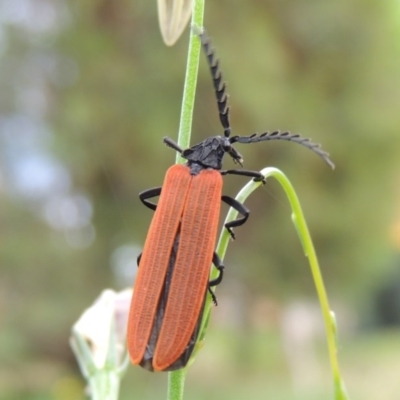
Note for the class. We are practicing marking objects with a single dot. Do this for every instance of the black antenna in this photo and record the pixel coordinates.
(170, 143)
(223, 108)
(219, 85)
(296, 138)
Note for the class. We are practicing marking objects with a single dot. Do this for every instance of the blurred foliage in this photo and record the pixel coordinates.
(107, 89)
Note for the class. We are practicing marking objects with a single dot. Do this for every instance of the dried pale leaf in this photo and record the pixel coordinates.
(121, 311)
(94, 325)
(103, 326)
(173, 16)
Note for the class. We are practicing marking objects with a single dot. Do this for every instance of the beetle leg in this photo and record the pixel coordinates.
(148, 194)
(241, 208)
(220, 267)
(213, 297)
(258, 176)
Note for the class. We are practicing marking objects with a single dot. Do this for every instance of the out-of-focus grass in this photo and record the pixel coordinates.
(371, 364)
(253, 366)
(234, 366)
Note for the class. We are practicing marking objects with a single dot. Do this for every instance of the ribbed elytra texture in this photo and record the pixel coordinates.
(192, 205)
(192, 267)
(155, 258)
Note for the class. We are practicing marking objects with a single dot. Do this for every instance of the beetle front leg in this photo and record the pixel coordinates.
(148, 194)
(144, 196)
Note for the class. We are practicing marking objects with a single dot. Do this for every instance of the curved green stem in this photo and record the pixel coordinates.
(176, 384)
(305, 238)
(329, 317)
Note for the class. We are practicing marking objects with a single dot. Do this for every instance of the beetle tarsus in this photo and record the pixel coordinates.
(213, 296)
(231, 233)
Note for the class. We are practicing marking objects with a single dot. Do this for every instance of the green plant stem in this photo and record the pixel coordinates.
(305, 238)
(104, 385)
(103, 382)
(176, 379)
(176, 384)
(329, 317)
(189, 89)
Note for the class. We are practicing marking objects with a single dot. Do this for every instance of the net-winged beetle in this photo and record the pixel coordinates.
(174, 267)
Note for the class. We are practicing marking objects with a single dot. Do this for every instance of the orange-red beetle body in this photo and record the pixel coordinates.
(188, 206)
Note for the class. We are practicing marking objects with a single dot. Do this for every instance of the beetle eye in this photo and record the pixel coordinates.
(227, 147)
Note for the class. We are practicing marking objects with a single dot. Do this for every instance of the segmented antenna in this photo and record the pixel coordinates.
(223, 108)
(219, 85)
(170, 143)
(316, 148)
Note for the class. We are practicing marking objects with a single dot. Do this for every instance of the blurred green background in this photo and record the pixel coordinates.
(87, 92)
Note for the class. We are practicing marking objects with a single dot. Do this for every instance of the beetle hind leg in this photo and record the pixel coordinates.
(214, 282)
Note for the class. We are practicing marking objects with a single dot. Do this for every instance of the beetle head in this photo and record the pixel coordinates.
(211, 151)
